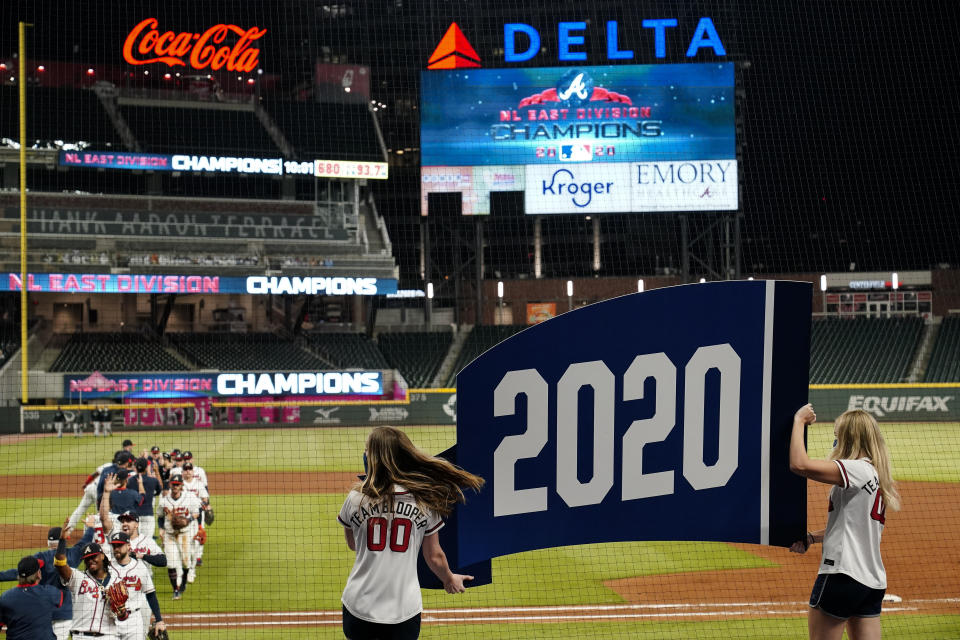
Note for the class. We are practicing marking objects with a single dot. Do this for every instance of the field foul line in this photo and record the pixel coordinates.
(431, 616)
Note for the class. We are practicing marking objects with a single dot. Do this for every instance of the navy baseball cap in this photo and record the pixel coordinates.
(187, 455)
(28, 566)
(53, 534)
(119, 538)
(176, 480)
(91, 549)
(187, 465)
(128, 443)
(129, 515)
(154, 449)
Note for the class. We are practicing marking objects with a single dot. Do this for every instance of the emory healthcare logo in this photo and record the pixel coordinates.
(454, 51)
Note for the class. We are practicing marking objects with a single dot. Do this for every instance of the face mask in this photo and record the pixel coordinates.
(835, 441)
(365, 462)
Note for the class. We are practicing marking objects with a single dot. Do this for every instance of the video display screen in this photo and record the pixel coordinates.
(610, 139)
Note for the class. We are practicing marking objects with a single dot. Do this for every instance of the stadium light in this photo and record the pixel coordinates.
(896, 280)
(90, 71)
(823, 282)
(41, 68)
(750, 278)
(702, 280)
(640, 285)
(570, 287)
(500, 289)
(430, 290)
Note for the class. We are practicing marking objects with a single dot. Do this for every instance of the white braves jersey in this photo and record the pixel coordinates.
(383, 585)
(89, 498)
(144, 545)
(98, 536)
(198, 472)
(188, 505)
(196, 487)
(138, 577)
(851, 543)
(91, 611)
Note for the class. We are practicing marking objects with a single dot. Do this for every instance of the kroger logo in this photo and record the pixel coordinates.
(564, 184)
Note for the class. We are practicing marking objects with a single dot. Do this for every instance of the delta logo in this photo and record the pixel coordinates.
(454, 51)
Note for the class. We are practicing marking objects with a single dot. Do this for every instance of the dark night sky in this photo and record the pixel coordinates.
(849, 112)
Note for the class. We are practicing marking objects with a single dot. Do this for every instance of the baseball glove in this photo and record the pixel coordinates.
(179, 522)
(153, 634)
(117, 597)
(201, 536)
(208, 515)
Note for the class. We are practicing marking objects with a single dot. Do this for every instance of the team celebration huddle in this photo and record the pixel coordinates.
(149, 514)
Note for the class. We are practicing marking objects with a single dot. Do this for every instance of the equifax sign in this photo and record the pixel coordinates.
(145, 44)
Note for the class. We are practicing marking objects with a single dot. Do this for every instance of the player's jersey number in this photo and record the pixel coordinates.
(396, 533)
(635, 484)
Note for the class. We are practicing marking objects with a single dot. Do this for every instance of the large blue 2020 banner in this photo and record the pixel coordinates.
(656, 416)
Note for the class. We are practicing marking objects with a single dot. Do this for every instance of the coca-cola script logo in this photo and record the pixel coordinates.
(146, 45)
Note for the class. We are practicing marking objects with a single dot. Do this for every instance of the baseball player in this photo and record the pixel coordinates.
(197, 470)
(62, 618)
(97, 604)
(28, 609)
(151, 490)
(138, 578)
(89, 499)
(194, 485)
(181, 510)
(58, 421)
(106, 421)
(141, 547)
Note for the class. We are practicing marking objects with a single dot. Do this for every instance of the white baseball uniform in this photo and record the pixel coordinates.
(146, 545)
(383, 585)
(91, 610)
(89, 499)
(198, 488)
(851, 542)
(138, 577)
(178, 546)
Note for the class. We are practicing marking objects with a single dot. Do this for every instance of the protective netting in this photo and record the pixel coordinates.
(256, 231)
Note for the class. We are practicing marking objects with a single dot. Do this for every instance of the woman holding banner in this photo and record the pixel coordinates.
(851, 582)
(397, 507)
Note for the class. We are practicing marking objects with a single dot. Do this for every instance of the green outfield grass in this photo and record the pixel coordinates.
(927, 452)
(322, 449)
(260, 542)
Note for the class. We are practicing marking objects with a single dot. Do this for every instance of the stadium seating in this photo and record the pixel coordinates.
(46, 125)
(199, 131)
(348, 350)
(104, 352)
(479, 340)
(326, 130)
(863, 350)
(416, 355)
(245, 352)
(945, 359)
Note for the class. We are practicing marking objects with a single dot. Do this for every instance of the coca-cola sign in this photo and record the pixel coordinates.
(145, 44)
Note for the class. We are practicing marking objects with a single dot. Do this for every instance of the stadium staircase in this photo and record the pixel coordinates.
(480, 339)
(348, 350)
(918, 369)
(417, 355)
(450, 359)
(944, 363)
(108, 94)
(863, 350)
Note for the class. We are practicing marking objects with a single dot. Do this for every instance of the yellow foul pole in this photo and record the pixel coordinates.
(22, 77)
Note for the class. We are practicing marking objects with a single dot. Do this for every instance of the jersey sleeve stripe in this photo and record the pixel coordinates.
(340, 520)
(434, 528)
(846, 478)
